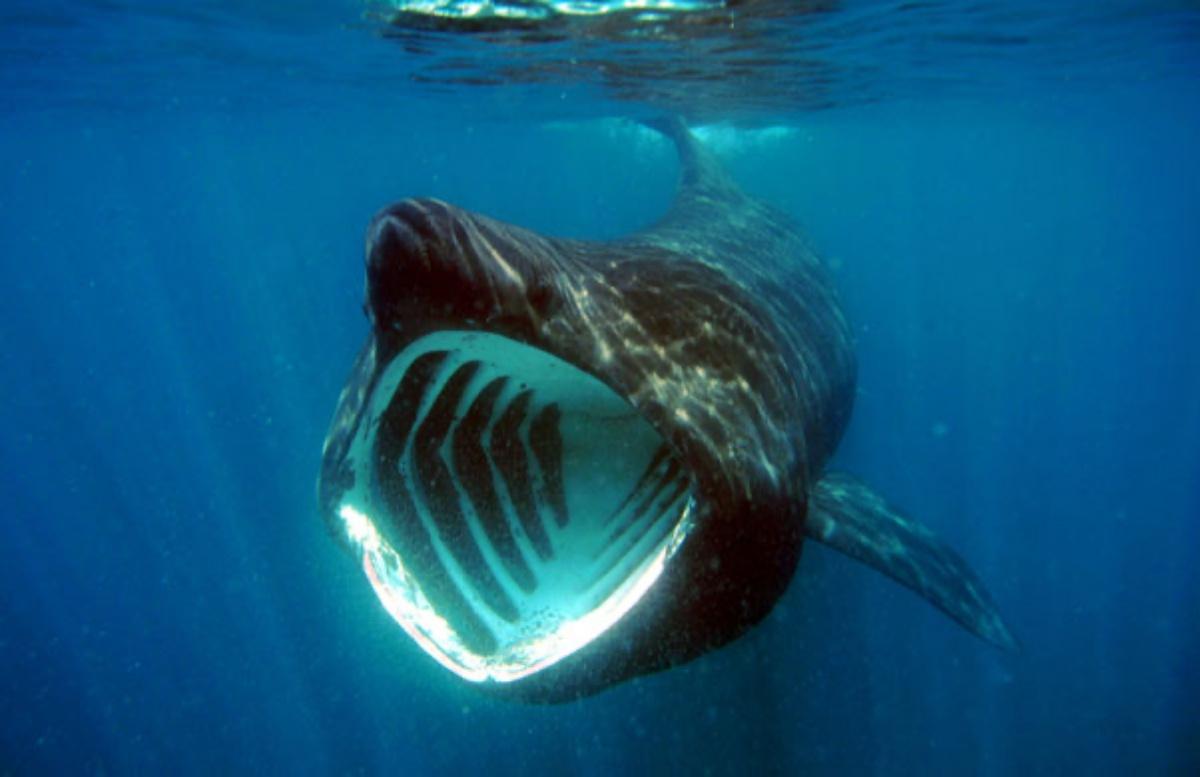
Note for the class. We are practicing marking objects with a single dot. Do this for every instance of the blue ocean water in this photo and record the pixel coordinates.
(1008, 196)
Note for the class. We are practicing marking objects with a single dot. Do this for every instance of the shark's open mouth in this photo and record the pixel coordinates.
(508, 506)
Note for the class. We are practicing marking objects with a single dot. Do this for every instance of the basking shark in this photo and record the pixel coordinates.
(562, 464)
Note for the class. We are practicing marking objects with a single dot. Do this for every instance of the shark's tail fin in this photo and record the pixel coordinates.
(848, 516)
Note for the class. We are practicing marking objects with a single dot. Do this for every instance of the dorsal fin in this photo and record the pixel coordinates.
(706, 193)
(700, 174)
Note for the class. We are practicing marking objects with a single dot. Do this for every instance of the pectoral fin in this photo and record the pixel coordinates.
(848, 516)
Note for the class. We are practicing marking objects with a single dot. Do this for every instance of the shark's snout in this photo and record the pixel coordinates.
(436, 266)
(395, 238)
(417, 269)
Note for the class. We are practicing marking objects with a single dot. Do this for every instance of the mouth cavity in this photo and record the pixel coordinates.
(508, 507)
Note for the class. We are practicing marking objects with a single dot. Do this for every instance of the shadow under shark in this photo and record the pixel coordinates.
(562, 464)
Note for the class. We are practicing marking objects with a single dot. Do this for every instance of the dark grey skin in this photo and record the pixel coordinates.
(722, 328)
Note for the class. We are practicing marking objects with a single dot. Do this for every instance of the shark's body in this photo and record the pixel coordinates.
(566, 463)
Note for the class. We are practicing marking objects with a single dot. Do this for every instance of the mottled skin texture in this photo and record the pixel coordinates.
(718, 324)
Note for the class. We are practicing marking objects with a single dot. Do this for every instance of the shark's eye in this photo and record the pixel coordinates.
(508, 506)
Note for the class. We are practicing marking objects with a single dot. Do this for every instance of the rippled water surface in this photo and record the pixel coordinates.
(746, 60)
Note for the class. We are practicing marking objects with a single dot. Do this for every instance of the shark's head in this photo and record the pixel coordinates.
(559, 463)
